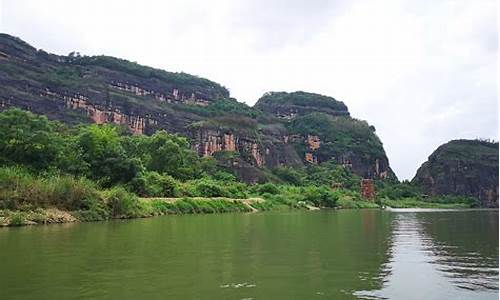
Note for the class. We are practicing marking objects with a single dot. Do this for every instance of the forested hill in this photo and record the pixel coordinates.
(462, 167)
(285, 133)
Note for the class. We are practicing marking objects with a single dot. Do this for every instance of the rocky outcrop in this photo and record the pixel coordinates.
(100, 89)
(321, 130)
(259, 150)
(462, 167)
(290, 105)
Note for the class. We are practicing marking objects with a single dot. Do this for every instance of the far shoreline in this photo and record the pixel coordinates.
(173, 206)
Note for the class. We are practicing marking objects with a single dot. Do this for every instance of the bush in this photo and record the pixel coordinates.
(266, 188)
(121, 203)
(18, 188)
(320, 196)
(17, 218)
(208, 188)
(211, 188)
(152, 184)
(289, 175)
(348, 202)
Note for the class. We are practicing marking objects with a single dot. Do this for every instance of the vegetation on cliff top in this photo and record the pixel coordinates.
(122, 65)
(300, 99)
(462, 167)
(478, 151)
(339, 135)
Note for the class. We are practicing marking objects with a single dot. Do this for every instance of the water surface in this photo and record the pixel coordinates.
(347, 254)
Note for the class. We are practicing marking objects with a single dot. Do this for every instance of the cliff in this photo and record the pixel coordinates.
(283, 129)
(321, 130)
(462, 167)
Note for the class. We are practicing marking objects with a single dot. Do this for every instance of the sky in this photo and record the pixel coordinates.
(422, 72)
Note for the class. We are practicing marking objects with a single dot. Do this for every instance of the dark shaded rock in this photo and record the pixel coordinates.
(464, 168)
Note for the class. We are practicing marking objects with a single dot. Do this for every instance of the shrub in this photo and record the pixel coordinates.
(289, 175)
(17, 218)
(19, 188)
(211, 188)
(121, 203)
(208, 188)
(266, 188)
(320, 196)
(152, 184)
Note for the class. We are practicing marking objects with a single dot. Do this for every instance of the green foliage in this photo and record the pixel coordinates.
(18, 218)
(398, 191)
(320, 196)
(418, 203)
(28, 139)
(289, 175)
(196, 206)
(266, 188)
(170, 154)
(206, 187)
(121, 203)
(19, 188)
(153, 184)
(102, 150)
(353, 204)
(339, 135)
(452, 199)
(97, 171)
(221, 107)
(329, 173)
(483, 151)
(189, 82)
(300, 99)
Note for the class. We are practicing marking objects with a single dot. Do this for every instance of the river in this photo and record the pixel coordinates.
(344, 254)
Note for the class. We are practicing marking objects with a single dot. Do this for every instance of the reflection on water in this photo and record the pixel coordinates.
(347, 254)
(441, 255)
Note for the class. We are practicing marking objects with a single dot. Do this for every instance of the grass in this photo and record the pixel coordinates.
(26, 198)
(416, 203)
(356, 204)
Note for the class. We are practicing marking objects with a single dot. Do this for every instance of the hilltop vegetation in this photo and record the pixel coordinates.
(462, 168)
(300, 101)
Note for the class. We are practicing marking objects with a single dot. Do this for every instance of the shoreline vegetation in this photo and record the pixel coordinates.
(54, 173)
(154, 207)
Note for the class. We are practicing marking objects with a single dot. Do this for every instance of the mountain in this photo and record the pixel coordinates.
(282, 130)
(462, 167)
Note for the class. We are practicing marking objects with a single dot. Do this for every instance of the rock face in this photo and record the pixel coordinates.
(462, 167)
(283, 129)
(321, 130)
(100, 89)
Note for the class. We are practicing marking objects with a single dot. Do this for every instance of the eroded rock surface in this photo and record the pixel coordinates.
(462, 167)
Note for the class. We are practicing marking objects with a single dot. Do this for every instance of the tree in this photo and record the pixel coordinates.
(102, 150)
(28, 139)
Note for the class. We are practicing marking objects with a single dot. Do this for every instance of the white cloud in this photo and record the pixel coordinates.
(423, 72)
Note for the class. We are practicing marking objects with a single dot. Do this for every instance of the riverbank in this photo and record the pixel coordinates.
(146, 207)
(152, 207)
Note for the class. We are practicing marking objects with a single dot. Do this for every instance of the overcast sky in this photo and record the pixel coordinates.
(421, 71)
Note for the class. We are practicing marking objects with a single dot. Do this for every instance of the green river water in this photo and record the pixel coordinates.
(344, 254)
